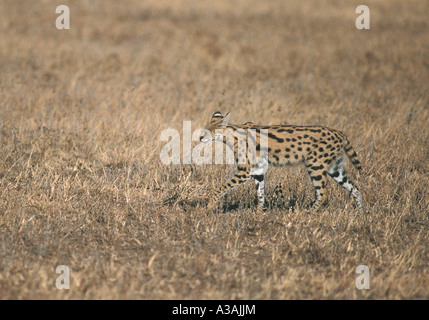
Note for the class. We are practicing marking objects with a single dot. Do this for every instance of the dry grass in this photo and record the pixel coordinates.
(82, 185)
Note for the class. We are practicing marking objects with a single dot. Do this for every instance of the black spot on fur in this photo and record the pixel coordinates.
(335, 174)
(272, 136)
(259, 177)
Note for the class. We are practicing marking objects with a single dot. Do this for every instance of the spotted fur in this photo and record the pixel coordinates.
(319, 148)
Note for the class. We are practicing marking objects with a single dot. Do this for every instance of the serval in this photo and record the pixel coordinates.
(321, 149)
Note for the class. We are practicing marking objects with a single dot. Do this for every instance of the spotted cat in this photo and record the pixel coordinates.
(319, 148)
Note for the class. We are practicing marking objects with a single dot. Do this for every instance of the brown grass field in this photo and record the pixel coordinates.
(82, 184)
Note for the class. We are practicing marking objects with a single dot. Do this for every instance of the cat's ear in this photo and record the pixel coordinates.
(225, 119)
(217, 114)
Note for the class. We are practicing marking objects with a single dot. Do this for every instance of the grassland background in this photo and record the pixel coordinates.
(82, 185)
